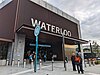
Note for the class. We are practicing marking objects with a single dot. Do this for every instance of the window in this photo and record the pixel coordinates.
(3, 50)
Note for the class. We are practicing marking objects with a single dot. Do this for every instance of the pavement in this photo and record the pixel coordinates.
(46, 69)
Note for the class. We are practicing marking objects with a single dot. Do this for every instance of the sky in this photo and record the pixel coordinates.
(87, 12)
(1, 1)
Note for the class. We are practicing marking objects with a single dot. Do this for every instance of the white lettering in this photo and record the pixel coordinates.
(52, 28)
(65, 32)
(69, 33)
(34, 23)
(48, 26)
(57, 30)
(43, 26)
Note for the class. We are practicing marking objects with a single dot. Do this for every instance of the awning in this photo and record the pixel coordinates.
(29, 32)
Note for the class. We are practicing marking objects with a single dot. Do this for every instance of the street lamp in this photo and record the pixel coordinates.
(63, 48)
(91, 51)
(90, 46)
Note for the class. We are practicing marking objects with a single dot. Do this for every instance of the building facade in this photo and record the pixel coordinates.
(18, 19)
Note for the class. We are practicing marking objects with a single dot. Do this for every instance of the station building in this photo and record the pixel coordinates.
(18, 19)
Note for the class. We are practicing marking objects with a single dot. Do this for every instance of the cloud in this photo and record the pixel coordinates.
(91, 27)
(0, 1)
(86, 11)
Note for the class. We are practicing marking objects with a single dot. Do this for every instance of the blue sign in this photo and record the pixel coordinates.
(37, 30)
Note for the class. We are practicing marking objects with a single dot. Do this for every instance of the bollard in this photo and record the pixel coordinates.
(7, 62)
(65, 65)
(13, 62)
(85, 63)
(31, 63)
(52, 64)
(24, 63)
(18, 62)
(89, 62)
(40, 64)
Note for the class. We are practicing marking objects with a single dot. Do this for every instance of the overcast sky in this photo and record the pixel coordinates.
(86, 11)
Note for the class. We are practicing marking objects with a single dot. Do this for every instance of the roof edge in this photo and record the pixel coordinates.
(55, 10)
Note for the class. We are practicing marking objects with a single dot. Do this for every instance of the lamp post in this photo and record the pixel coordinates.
(91, 48)
(91, 52)
(63, 48)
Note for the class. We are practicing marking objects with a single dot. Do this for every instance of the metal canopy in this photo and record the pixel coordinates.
(46, 36)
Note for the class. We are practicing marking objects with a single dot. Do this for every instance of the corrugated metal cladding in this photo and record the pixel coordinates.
(28, 10)
(16, 14)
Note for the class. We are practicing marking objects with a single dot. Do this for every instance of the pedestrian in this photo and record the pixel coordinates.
(66, 59)
(30, 58)
(45, 57)
(78, 61)
(34, 55)
(73, 61)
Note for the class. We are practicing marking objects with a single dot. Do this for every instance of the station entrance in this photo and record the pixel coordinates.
(44, 50)
(49, 44)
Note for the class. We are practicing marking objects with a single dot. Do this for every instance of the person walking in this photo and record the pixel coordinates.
(45, 57)
(78, 61)
(73, 61)
(30, 58)
(34, 55)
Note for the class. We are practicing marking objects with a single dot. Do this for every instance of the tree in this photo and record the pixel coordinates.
(96, 48)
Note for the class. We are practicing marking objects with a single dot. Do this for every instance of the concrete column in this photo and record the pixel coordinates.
(19, 46)
(82, 54)
(80, 36)
(10, 52)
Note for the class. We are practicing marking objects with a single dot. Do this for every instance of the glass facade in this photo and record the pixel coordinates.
(69, 49)
(3, 50)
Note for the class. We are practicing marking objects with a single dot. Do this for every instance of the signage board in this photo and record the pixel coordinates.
(51, 28)
(37, 30)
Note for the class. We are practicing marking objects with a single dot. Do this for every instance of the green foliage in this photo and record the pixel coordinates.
(96, 48)
(97, 62)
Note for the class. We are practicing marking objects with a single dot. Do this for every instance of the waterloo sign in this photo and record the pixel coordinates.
(50, 28)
